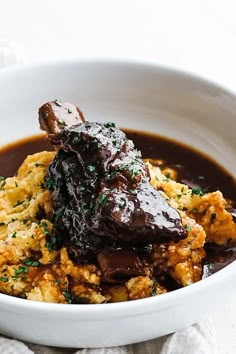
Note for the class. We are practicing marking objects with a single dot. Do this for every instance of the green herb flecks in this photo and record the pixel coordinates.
(154, 287)
(62, 122)
(57, 102)
(21, 270)
(13, 235)
(50, 183)
(68, 296)
(4, 279)
(91, 168)
(31, 263)
(3, 182)
(20, 202)
(188, 228)
(197, 191)
(103, 199)
(51, 243)
(109, 125)
(133, 191)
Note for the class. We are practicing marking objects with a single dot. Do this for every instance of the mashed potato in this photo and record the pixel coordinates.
(33, 267)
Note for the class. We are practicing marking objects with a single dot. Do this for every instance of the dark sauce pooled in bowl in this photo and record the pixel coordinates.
(194, 169)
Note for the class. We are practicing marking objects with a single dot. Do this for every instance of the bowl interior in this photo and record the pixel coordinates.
(142, 97)
(138, 96)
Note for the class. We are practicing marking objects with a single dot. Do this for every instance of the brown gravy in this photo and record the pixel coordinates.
(194, 169)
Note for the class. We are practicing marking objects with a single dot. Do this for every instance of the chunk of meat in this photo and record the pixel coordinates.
(120, 265)
(56, 115)
(101, 192)
(209, 210)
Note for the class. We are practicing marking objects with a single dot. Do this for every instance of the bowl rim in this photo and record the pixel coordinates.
(135, 307)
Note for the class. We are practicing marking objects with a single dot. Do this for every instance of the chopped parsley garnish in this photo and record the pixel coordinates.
(62, 122)
(38, 164)
(187, 227)
(25, 221)
(195, 210)
(213, 216)
(154, 288)
(168, 175)
(184, 208)
(197, 191)
(3, 182)
(58, 103)
(91, 168)
(133, 191)
(20, 202)
(179, 196)
(31, 262)
(50, 183)
(109, 125)
(16, 184)
(103, 199)
(13, 235)
(51, 243)
(21, 270)
(68, 296)
(58, 281)
(44, 225)
(4, 279)
(2, 223)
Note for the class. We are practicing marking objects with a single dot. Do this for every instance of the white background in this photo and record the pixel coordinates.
(194, 35)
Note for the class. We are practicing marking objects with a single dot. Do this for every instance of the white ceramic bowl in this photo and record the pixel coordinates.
(134, 95)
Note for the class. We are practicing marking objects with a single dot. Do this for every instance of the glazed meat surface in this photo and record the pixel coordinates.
(54, 116)
(101, 193)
